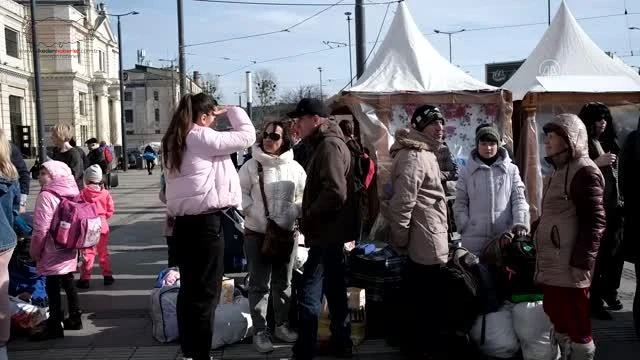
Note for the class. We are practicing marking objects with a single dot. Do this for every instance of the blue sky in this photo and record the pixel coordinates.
(155, 31)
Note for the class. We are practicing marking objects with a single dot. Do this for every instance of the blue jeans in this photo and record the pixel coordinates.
(325, 268)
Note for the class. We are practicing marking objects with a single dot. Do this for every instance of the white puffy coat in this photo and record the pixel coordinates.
(284, 181)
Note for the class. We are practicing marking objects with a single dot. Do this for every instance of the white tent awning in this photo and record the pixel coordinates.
(407, 62)
(567, 60)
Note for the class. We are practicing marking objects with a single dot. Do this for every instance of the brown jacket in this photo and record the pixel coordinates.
(573, 220)
(329, 214)
(417, 210)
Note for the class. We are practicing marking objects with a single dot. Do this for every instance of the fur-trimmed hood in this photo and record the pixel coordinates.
(414, 140)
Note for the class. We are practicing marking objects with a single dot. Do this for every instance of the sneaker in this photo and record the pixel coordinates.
(3, 353)
(109, 280)
(285, 334)
(262, 342)
(82, 284)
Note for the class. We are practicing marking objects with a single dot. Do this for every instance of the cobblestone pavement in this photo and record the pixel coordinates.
(117, 325)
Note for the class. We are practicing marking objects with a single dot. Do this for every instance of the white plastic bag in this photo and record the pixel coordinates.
(500, 340)
(380, 229)
(532, 326)
(232, 323)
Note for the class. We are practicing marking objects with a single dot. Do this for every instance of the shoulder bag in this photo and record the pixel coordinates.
(278, 242)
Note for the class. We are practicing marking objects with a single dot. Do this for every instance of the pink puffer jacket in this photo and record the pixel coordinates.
(50, 260)
(208, 180)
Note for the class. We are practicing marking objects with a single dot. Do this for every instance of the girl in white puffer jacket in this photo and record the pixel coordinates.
(284, 181)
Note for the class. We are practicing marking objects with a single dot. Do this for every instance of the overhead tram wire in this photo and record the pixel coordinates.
(275, 3)
(374, 45)
(500, 27)
(281, 58)
(287, 29)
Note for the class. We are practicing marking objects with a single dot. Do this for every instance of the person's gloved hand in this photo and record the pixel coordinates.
(519, 230)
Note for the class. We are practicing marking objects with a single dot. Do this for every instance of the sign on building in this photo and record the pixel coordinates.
(498, 73)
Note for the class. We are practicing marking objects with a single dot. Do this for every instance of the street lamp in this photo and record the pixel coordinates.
(350, 59)
(320, 70)
(122, 118)
(449, 33)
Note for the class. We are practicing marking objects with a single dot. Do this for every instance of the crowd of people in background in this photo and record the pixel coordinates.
(298, 186)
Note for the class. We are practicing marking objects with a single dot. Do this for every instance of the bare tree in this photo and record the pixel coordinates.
(211, 86)
(293, 96)
(266, 87)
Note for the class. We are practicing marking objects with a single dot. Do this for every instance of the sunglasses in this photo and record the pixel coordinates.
(272, 136)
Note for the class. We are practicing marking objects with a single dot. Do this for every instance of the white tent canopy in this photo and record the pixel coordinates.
(407, 62)
(567, 60)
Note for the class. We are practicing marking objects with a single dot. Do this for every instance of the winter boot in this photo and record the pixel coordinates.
(73, 322)
(559, 342)
(583, 351)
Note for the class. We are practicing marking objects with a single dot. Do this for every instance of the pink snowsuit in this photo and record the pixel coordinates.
(104, 203)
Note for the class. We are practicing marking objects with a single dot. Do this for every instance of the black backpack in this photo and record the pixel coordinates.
(470, 290)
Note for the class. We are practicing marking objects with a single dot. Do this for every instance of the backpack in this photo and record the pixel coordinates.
(76, 223)
(364, 168)
(514, 259)
(470, 290)
(108, 155)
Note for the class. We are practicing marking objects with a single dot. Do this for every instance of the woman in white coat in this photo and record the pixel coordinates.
(284, 181)
(490, 196)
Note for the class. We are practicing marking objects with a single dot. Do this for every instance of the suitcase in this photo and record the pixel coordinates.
(379, 273)
(110, 180)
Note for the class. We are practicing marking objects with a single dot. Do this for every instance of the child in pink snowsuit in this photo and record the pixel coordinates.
(94, 192)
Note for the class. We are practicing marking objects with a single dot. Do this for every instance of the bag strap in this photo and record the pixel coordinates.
(261, 181)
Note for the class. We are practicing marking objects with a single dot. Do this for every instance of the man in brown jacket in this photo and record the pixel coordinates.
(329, 219)
(417, 214)
(568, 235)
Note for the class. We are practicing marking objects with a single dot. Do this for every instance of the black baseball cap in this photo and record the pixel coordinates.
(308, 106)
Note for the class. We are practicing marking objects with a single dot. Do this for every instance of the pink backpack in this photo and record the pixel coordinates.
(76, 223)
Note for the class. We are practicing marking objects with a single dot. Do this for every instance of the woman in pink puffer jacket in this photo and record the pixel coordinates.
(202, 183)
(58, 265)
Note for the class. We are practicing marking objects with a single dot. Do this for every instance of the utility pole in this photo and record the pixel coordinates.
(350, 58)
(181, 60)
(173, 81)
(36, 68)
(249, 94)
(320, 70)
(549, 12)
(361, 42)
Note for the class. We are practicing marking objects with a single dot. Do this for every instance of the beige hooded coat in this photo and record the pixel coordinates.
(417, 209)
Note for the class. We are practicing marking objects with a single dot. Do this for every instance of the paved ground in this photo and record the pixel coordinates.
(117, 324)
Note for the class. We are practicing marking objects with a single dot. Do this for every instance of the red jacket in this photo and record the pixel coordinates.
(103, 201)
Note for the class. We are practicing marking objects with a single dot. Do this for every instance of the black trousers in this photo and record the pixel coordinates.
(609, 264)
(200, 250)
(56, 313)
(150, 165)
(172, 258)
(423, 311)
